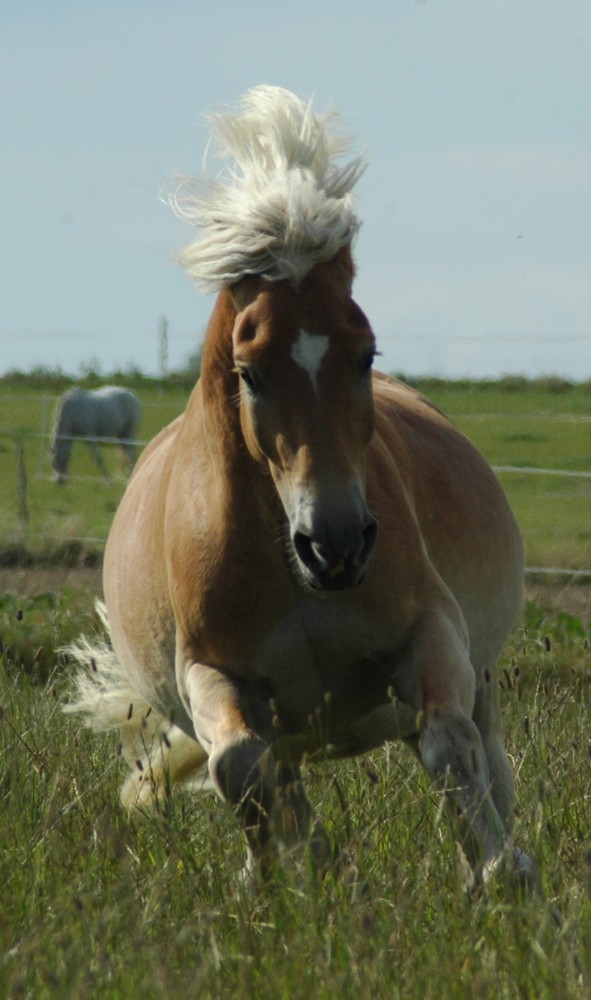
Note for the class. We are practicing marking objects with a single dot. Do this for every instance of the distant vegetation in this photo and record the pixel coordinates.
(91, 375)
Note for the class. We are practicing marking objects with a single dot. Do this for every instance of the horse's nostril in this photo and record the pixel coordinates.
(321, 555)
(305, 549)
(337, 562)
(315, 556)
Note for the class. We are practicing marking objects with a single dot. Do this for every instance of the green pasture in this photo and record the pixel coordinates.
(515, 423)
(57, 516)
(96, 904)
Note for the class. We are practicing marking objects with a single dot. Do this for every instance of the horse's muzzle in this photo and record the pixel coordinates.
(331, 560)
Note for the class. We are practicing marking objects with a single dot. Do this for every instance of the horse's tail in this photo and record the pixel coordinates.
(158, 753)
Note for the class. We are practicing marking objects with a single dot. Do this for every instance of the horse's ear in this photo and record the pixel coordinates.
(244, 292)
(245, 329)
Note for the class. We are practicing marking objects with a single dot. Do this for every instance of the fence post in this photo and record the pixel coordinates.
(21, 485)
(44, 435)
(163, 346)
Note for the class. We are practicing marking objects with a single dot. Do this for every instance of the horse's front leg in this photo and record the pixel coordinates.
(267, 797)
(450, 745)
(128, 451)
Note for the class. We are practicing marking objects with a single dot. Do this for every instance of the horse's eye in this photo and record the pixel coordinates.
(366, 363)
(249, 379)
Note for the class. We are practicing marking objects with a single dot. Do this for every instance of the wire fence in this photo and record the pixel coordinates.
(42, 472)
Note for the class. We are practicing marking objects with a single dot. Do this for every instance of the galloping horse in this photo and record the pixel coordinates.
(311, 560)
(108, 412)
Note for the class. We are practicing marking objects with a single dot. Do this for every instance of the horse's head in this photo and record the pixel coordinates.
(276, 231)
(61, 442)
(304, 360)
(60, 456)
(60, 449)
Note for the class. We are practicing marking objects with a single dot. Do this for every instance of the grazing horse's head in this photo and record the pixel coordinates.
(304, 360)
(61, 443)
(278, 234)
(60, 456)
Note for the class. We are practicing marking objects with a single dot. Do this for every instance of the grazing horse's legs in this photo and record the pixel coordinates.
(98, 458)
(127, 437)
(129, 456)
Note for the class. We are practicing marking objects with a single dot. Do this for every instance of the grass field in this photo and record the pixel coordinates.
(95, 904)
(544, 425)
(84, 507)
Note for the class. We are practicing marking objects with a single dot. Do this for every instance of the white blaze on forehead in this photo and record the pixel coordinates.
(308, 352)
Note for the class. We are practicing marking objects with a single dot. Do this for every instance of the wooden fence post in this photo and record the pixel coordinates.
(21, 485)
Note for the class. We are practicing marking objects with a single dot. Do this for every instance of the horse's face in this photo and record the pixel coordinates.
(306, 407)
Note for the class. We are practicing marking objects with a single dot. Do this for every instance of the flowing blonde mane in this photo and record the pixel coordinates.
(281, 205)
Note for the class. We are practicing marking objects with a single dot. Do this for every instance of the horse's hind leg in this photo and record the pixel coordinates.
(99, 461)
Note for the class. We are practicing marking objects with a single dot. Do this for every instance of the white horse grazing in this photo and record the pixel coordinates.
(311, 560)
(111, 413)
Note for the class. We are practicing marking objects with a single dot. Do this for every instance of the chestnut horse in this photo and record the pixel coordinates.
(311, 560)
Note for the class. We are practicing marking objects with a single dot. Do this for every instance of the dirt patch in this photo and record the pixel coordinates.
(571, 598)
(30, 580)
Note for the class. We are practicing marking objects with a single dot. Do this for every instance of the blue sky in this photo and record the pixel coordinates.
(474, 257)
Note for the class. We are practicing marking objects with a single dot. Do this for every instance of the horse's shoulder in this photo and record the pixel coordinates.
(402, 404)
(159, 445)
(413, 434)
(403, 414)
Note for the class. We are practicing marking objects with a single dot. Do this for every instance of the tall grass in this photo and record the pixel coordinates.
(95, 904)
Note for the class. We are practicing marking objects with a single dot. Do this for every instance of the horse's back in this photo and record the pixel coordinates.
(118, 409)
(109, 411)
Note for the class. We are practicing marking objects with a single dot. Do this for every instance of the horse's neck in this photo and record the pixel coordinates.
(214, 397)
(214, 415)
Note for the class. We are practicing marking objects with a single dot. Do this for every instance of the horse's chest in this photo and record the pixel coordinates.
(322, 658)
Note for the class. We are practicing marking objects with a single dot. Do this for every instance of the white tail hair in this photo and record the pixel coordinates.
(158, 753)
(283, 206)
